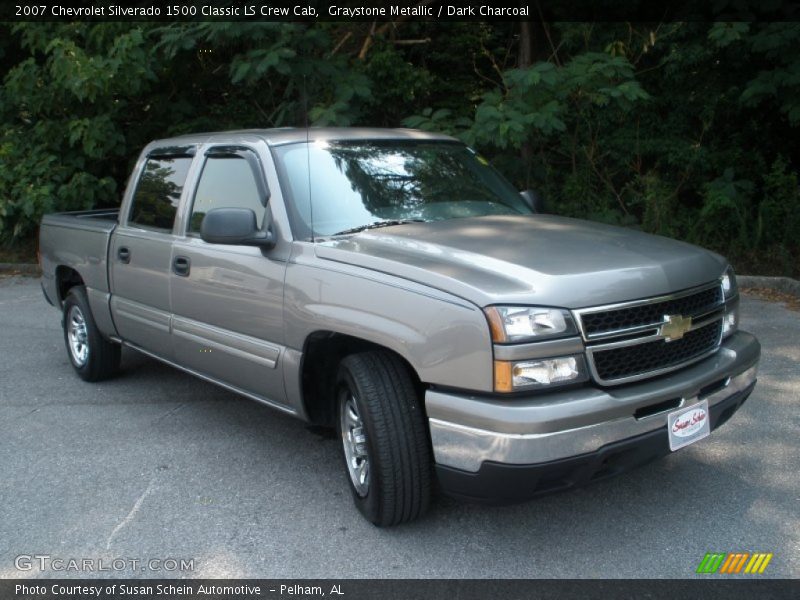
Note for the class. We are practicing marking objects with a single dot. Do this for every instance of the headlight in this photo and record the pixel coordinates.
(729, 286)
(511, 324)
(527, 374)
(730, 323)
(730, 320)
(730, 290)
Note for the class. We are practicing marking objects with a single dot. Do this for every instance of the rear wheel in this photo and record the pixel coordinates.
(384, 438)
(93, 357)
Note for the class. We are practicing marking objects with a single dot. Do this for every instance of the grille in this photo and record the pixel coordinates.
(599, 323)
(629, 361)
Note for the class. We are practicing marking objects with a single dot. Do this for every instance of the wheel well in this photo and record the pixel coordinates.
(323, 352)
(66, 278)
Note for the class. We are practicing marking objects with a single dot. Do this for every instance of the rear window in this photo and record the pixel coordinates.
(158, 192)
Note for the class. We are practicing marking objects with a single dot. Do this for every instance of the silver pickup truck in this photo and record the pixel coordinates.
(391, 284)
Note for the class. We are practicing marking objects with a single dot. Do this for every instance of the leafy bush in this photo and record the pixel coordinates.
(682, 129)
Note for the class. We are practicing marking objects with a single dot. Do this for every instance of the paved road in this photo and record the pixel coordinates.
(156, 464)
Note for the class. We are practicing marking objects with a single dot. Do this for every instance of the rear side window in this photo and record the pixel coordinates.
(158, 192)
(227, 181)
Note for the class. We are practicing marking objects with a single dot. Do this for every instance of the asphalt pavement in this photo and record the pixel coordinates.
(156, 464)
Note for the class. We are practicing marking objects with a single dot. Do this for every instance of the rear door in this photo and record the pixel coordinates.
(227, 300)
(140, 252)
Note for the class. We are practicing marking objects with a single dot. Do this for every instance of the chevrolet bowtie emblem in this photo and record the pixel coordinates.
(675, 327)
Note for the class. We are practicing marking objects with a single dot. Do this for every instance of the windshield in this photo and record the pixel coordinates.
(357, 184)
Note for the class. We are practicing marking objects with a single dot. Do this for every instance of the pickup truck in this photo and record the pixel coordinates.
(391, 284)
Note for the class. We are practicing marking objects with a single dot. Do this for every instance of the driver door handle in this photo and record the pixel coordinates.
(181, 266)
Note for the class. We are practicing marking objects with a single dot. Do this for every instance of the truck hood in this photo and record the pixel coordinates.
(537, 259)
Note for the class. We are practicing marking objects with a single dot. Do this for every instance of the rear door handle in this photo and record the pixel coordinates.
(124, 254)
(181, 266)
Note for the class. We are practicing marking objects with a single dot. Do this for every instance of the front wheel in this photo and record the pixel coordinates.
(93, 357)
(384, 438)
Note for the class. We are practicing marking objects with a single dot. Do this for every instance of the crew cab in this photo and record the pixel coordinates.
(391, 284)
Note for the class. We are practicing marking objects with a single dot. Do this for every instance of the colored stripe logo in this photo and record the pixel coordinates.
(734, 563)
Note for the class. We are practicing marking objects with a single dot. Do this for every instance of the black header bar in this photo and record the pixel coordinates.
(712, 588)
(424, 10)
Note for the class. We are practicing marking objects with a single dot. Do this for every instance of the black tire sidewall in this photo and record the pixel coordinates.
(369, 504)
(397, 441)
(77, 297)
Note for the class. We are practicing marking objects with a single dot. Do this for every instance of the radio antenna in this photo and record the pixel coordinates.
(308, 161)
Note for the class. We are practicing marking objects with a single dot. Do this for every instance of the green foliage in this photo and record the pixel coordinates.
(537, 101)
(682, 129)
(672, 129)
(725, 214)
(779, 210)
(657, 202)
(439, 120)
(64, 111)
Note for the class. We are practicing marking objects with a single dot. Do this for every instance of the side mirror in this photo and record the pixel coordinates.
(236, 226)
(534, 200)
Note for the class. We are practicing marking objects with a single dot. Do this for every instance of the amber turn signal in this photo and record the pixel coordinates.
(495, 325)
(502, 376)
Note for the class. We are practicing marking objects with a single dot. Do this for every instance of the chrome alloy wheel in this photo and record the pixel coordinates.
(354, 440)
(78, 336)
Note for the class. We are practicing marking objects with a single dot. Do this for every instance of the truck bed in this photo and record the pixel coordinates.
(104, 219)
(77, 240)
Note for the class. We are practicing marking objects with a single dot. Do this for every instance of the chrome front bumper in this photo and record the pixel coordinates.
(467, 431)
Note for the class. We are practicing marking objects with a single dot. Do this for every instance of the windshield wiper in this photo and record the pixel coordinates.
(380, 224)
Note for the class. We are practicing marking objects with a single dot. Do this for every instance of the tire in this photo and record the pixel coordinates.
(381, 423)
(93, 357)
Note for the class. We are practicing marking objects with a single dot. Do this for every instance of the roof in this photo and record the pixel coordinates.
(287, 135)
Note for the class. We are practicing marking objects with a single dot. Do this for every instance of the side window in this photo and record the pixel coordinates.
(158, 192)
(227, 181)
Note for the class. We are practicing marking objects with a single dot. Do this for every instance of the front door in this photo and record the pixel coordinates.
(228, 300)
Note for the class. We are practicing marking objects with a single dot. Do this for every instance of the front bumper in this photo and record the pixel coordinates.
(554, 441)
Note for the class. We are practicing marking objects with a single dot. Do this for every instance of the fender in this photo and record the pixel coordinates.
(444, 338)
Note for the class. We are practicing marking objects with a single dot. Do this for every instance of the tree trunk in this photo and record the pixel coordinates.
(524, 61)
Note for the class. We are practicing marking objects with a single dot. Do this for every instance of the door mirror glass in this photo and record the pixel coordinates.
(234, 226)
